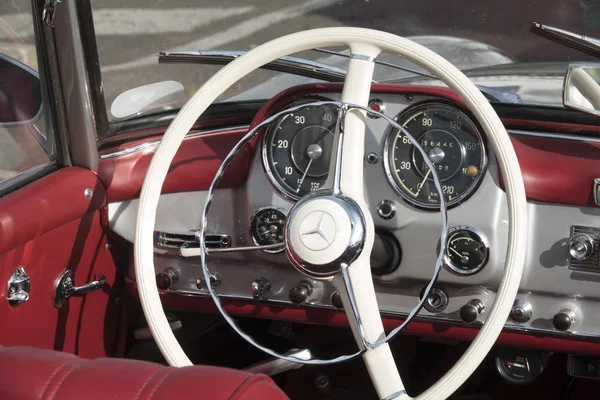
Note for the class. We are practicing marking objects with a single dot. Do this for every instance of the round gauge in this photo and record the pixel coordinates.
(267, 227)
(297, 149)
(454, 146)
(518, 366)
(467, 250)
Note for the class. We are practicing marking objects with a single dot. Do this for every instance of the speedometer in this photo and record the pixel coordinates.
(454, 146)
(297, 149)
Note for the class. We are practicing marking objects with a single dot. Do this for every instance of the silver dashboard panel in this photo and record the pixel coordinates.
(548, 284)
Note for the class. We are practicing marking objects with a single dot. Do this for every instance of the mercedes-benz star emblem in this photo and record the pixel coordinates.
(317, 230)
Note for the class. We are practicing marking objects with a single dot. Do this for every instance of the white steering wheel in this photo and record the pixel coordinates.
(353, 230)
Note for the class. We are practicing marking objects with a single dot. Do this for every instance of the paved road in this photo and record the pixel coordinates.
(130, 34)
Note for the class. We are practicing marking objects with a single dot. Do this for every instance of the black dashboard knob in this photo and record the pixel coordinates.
(470, 311)
(299, 294)
(336, 300)
(165, 279)
(563, 319)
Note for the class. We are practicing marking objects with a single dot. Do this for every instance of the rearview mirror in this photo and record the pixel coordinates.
(20, 92)
(148, 97)
(581, 89)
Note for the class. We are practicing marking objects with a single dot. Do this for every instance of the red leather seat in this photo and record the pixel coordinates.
(29, 373)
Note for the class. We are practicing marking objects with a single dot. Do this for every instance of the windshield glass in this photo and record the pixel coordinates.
(489, 40)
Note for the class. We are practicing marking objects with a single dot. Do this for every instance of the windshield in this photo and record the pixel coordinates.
(490, 40)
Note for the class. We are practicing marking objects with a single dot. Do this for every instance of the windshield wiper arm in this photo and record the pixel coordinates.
(311, 69)
(583, 43)
(491, 94)
(384, 63)
(291, 65)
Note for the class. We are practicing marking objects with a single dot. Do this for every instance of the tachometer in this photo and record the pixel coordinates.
(453, 144)
(297, 149)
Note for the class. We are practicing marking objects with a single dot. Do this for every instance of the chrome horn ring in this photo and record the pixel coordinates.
(343, 267)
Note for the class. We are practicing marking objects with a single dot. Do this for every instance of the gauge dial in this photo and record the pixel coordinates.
(452, 143)
(467, 251)
(267, 227)
(518, 366)
(297, 149)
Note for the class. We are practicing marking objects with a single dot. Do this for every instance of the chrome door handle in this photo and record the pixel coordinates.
(65, 288)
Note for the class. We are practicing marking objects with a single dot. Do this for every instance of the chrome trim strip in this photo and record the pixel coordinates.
(514, 328)
(550, 135)
(147, 145)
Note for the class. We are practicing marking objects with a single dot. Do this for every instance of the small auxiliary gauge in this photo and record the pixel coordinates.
(518, 366)
(267, 227)
(467, 250)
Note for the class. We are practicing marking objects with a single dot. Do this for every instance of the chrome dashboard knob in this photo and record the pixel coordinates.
(521, 311)
(581, 247)
(260, 287)
(564, 319)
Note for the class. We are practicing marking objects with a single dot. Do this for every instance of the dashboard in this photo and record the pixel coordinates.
(559, 293)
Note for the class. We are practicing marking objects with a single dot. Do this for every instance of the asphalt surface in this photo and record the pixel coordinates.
(130, 34)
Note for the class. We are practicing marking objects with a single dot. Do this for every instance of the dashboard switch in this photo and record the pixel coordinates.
(165, 279)
(299, 293)
(260, 287)
(581, 246)
(437, 300)
(564, 319)
(470, 311)
(215, 281)
(386, 209)
(521, 311)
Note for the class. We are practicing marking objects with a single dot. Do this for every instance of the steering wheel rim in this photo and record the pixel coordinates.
(365, 45)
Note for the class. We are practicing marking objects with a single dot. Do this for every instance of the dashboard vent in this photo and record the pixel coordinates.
(592, 263)
(176, 240)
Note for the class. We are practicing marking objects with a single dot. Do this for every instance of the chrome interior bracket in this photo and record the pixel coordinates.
(19, 285)
(49, 10)
(65, 288)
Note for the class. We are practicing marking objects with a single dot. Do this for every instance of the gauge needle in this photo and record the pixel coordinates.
(423, 182)
(304, 176)
(313, 152)
(455, 252)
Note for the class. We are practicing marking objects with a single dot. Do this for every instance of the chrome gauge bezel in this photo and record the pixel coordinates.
(254, 215)
(279, 188)
(387, 143)
(483, 240)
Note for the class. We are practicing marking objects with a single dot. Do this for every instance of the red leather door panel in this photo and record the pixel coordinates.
(47, 227)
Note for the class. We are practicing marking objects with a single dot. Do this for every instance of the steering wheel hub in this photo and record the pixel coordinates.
(323, 232)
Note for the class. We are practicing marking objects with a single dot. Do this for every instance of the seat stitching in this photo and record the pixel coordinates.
(147, 382)
(248, 382)
(47, 385)
(171, 370)
(66, 375)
